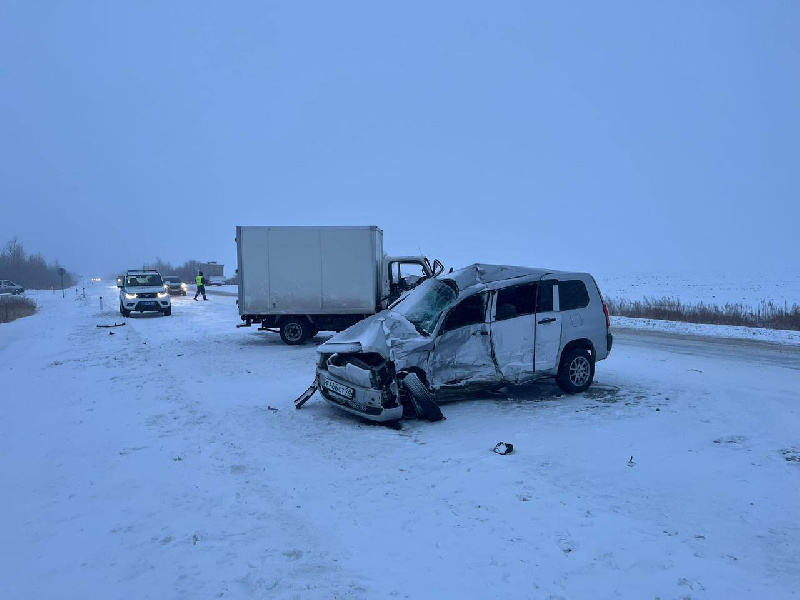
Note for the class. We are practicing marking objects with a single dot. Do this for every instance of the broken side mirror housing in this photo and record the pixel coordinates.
(438, 267)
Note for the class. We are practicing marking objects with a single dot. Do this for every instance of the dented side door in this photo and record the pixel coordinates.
(462, 352)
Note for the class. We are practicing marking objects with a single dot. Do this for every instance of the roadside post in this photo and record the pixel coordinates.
(101, 304)
(62, 271)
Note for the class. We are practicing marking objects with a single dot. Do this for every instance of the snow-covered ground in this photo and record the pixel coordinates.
(167, 461)
(746, 288)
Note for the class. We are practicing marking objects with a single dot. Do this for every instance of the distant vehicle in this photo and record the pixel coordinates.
(9, 287)
(143, 291)
(174, 285)
(303, 280)
(484, 326)
(213, 272)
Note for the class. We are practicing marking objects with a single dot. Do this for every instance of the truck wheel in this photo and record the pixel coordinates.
(123, 312)
(295, 331)
(576, 372)
(421, 398)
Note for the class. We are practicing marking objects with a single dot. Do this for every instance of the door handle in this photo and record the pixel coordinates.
(483, 332)
(545, 321)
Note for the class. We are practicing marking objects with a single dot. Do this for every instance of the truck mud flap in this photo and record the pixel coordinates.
(305, 396)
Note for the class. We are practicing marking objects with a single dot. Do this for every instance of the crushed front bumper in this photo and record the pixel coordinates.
(363, 401)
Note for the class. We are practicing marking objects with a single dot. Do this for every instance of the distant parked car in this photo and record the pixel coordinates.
(484, 326)
(174, 285)
(9, 287)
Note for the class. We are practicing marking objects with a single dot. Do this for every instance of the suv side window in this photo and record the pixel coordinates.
(572, 295)
(516, 301)
(469, 311)
(545, 303)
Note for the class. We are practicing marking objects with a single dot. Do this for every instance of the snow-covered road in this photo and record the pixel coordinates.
(167, 461)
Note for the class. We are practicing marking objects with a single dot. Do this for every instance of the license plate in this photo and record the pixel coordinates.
(340, 389)
(147, 303)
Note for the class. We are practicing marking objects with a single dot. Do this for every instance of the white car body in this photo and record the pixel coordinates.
(9, 287)
(143, 291)
(489, 331)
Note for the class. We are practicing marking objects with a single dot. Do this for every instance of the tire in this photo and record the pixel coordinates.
(168, 312)
(421, 398)
(314, 331)
(576, 372)
(123, 312)
(295, 331)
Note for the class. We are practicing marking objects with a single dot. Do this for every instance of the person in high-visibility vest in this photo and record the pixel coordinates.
(201, 285)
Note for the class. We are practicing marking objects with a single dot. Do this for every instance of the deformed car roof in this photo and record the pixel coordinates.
(483, 275)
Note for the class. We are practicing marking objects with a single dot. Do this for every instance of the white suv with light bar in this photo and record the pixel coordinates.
(143, 291)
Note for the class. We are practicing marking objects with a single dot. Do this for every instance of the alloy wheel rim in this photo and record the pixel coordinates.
(579, 371)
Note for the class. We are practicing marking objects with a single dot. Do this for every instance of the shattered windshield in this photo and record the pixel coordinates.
(423, 306)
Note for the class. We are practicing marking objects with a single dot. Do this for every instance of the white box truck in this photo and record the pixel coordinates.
(302, 280)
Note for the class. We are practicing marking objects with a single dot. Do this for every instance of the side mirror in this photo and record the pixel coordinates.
(438, 267)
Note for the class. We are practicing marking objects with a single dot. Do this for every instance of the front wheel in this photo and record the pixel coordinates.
(168, 312)
(295, 331)
(421, 398)
(576, 372)
(123, 312)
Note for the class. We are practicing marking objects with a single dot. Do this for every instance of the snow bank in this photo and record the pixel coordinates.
(717, 331)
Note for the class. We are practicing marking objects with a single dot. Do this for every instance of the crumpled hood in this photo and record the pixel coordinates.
(385, 333)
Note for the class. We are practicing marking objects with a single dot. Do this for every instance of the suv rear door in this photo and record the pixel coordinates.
(548, 327)
(513, 330)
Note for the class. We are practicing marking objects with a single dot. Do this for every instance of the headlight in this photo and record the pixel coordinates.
(130, 296)
(183, 286)
(162, 294)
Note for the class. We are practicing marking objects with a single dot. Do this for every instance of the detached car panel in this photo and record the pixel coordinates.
(482, 326)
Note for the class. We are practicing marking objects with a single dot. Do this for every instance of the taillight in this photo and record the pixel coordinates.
(608, 318)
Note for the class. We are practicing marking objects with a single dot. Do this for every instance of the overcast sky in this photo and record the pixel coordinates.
(606, 136)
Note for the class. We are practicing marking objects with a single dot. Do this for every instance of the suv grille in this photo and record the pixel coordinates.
(145, 295)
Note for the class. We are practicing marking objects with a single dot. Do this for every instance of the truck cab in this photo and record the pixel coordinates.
(404, 273)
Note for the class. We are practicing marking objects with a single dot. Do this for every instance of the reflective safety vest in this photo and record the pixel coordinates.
(199, 280)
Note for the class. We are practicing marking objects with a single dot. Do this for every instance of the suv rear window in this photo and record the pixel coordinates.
(520, 300)
(516, 301)
(572, 295)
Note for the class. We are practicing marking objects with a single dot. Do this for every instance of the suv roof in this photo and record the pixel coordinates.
(141, 271)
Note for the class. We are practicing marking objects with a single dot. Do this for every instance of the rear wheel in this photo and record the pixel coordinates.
(295, 331)
(576, 372)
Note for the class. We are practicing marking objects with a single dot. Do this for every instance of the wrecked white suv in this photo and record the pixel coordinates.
(484, 326)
